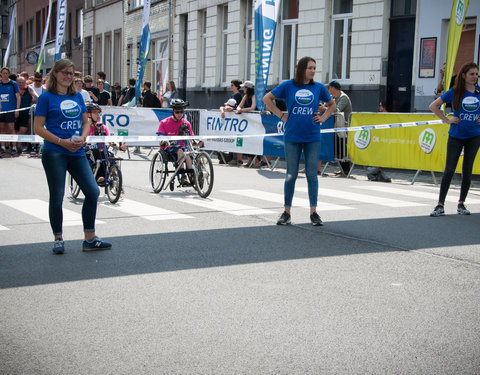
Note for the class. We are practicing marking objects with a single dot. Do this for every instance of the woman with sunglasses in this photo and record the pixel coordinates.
(61, 120)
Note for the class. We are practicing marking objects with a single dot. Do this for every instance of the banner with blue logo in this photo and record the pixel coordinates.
(266, 14)
(61, 18)
(144, 48)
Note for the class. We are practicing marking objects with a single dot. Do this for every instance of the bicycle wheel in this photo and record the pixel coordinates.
(158, 171)
(73, 186)
(203, 168)
(113, 185)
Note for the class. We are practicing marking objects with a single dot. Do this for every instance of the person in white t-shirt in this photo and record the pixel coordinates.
(79, 88)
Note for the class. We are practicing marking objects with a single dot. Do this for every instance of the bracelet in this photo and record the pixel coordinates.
(58, 140)
(281, 118)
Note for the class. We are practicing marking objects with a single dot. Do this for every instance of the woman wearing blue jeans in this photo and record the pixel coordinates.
(61, 120)
(302, 131)
(464, 133)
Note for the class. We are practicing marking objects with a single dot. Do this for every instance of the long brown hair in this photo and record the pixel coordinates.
(300, 71)
(459, 87)
(52, 81)
(172, 86)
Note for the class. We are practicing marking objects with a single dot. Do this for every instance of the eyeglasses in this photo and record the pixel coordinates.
(178, 111)
(65, 73)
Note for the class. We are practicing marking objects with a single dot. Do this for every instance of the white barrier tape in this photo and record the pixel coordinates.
(15, 110)
(159, 138)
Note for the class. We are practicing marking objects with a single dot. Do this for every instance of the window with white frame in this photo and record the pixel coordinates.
(223, 73)
(134, 4)
(249, 39)
(160, 66)
(203, 36)
(289, 38)
(341, 39)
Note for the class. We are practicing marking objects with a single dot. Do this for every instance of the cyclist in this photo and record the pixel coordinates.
(172, 126)
(97, 151)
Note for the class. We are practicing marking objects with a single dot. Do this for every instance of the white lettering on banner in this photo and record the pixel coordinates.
(267, 48)
(280, 127)
(302, 111)
(67, 125)
(469, 116)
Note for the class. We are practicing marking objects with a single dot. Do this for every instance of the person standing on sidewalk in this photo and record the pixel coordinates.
(61, 120)
(464, 133)
(302, 131)
(9, 103)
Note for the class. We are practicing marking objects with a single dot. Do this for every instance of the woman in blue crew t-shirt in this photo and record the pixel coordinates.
(61, 120)
(302, 130)
(464, 133)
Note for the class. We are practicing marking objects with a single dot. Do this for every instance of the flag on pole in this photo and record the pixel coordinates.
(61, 18)
(144, 48)
(457, 17)
(44, 38)
(266, 14)
(11, 31)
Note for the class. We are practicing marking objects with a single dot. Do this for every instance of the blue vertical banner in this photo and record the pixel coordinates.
(144, 48)
(266, 14)
(11, 31)
(41, 58)
(61, 18)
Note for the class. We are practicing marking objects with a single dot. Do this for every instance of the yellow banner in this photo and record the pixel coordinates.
(459, 10)
(421, 147)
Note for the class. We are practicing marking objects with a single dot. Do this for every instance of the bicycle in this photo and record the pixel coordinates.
(165, 165)
(112, 178)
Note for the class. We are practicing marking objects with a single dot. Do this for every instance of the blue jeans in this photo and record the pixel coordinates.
(56, 166)
(293, 152)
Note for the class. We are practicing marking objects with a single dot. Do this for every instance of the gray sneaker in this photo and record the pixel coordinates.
(462, 210)
(437, 211)
(284, 219)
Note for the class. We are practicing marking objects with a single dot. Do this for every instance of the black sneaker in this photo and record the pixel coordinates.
(462, 210)
(284, 219)
(438, 211)
(315, 219)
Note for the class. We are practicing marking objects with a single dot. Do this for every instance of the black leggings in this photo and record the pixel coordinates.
(454, 149)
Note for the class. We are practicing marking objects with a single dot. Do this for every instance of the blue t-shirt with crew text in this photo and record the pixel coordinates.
(469, 113)
(302, 102)
(63, 115)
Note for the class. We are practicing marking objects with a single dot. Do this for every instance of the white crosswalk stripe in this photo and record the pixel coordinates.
(419, 194)
(278, 198)
(3, 228)
(364, 198)
(145, 211)
(39, 209)
(223, 206)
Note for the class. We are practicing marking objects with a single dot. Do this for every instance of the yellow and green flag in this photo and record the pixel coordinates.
(457, 17)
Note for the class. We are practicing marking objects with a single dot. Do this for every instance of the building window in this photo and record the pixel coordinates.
(249, 39)
(402, 8)
(134, 4)
(20, 38)
(203, 36)
(289, 38)
(224, 34)
(29, 35)
(341, 39)
(160, 66)
(38, 26)
(4, 25)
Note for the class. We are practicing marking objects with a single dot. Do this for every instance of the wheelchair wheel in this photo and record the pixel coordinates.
(158, 171)
(73, 186)
(203, 168)
(114, 183)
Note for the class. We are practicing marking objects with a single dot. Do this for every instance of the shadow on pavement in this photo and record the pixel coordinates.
(34, 264)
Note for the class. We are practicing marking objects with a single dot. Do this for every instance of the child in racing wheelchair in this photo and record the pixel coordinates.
(176, 125)
(97, 151)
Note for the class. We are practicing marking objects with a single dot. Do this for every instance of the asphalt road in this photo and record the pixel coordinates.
(215, 287)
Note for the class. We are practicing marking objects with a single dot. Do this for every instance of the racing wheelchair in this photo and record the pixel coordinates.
(166, 170)
(107, 173)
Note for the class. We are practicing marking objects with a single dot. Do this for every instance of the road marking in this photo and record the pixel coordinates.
(223, 206)
(416, 194)
(3, 228)
(364, 198)
(278, 198)
(39, 209)
(145, 211)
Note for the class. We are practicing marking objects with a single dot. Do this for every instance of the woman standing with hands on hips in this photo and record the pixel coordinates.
(61, 120)
(302, 131)
(464, 133)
